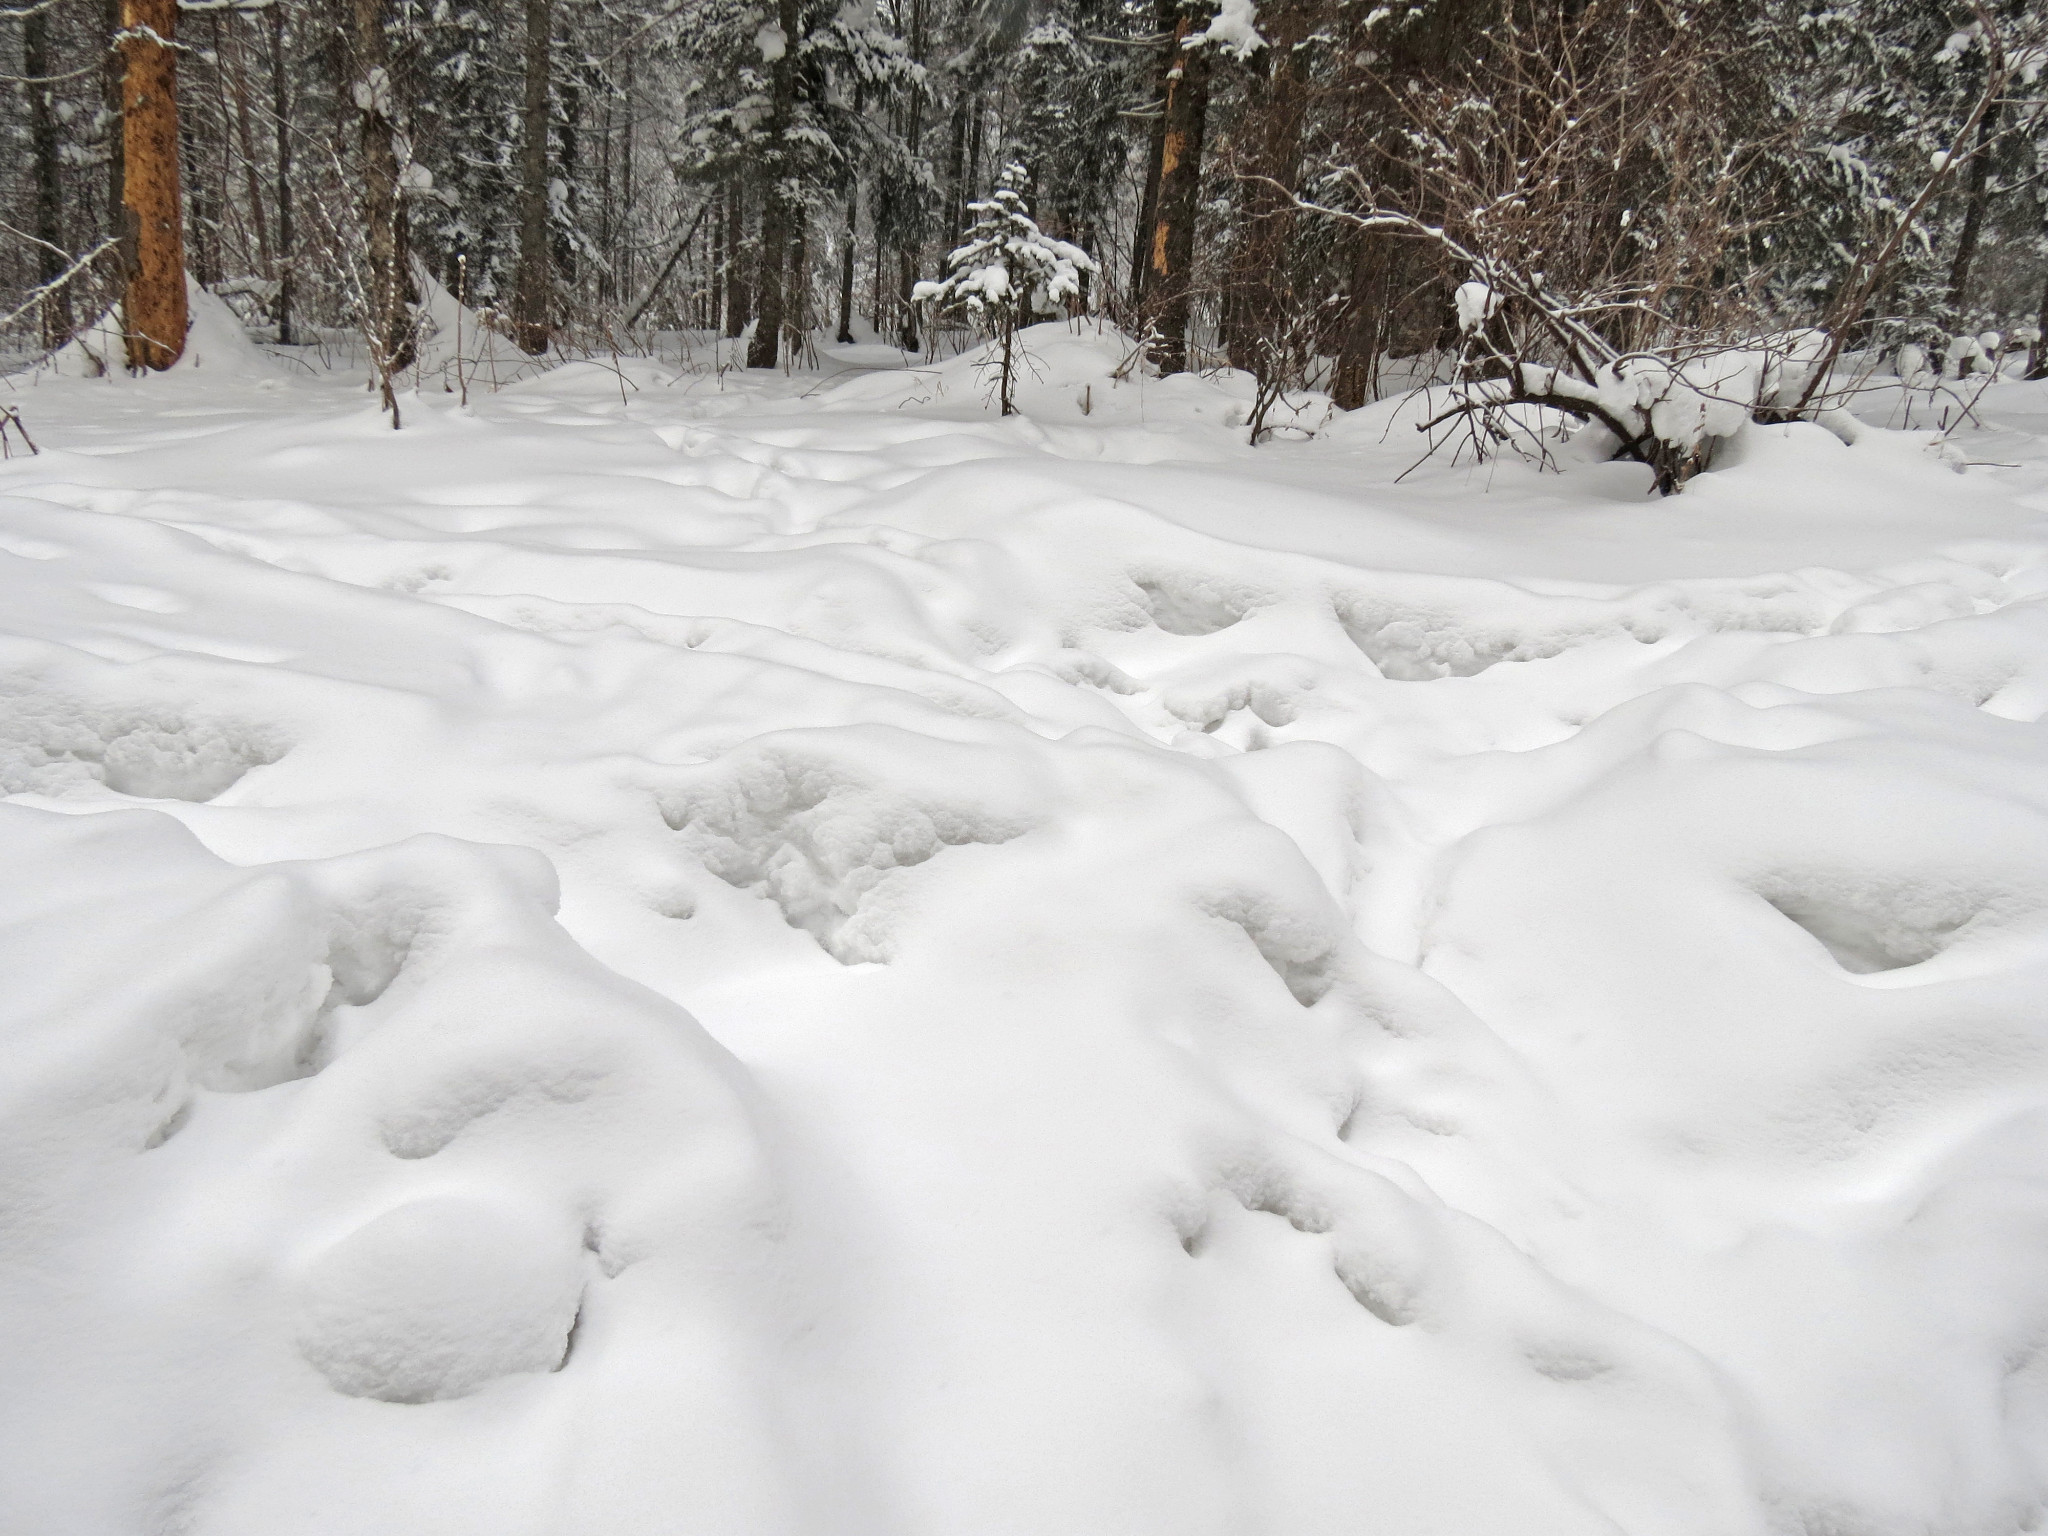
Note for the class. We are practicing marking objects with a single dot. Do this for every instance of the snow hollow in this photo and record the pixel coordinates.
(783, 955)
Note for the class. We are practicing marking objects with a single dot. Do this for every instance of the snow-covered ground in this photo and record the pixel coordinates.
(699, 954)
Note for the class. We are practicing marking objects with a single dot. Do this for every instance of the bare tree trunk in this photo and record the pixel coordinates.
(532, 294)
(280, 107)
(796, 288)
(763, 347)
(908, 255)
(568, 156)
(36, 61)
(1148, 203)
(1172, 238)
(625, 221)
(717, 244)
(1973, 213)
(846, 263)
(1007, 391)
(777, 216)
(236, 76)
(607, 266)
(389, 294)
(1364, 323)
(738, 301)
(111, 95)
(906, 268)
(2037, 360)
(153, 308)
(957, 172)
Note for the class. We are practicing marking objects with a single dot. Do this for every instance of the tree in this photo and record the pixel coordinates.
(1170, 242)
(1269, 154)
(389, 294)
(36, 59)
(781, 196)
(1002, 270)
(153, 307)
(533, 297)
(280, 108)
(465, 117)
(1074, 73)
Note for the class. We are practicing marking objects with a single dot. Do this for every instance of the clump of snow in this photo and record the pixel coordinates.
(1476, 304)
(1234, 28)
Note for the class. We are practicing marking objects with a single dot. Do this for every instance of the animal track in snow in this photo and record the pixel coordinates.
(53, 743)
(817, 823)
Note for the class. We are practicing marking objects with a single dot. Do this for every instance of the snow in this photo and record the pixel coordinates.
(1234, 28)
(731, 953)
(1476, 303)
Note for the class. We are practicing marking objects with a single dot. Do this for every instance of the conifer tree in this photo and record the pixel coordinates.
(1002, 270)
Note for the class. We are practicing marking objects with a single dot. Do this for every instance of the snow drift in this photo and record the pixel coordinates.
(796, 958)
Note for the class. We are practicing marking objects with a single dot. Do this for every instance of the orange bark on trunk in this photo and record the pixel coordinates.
(153, 310)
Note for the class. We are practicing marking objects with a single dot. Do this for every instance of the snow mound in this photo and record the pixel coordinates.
(456, 345)
(215, 342)
(435, 1298)
(1074, 372)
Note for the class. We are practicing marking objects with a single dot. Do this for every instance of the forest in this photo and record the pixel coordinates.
(1634, 197)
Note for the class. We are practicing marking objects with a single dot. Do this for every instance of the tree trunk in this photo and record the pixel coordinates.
(1973, 214)
(738, 301)
(2037, 359)
(1364, 323)
(568, 156)
(1260, 288)
(906, 268)
(717, 243)
(111, 92)
(236, 76)
(533, 289)
(777, 216)
(153, 308)
(625, 219)
(1172, 239)
(796, 288)
(956, 172)
(37, 63)
(202, 228)
(1009, 374)
(846, 264)
(763, 347)
(389, 292)
(1148, 202)
(280, 106)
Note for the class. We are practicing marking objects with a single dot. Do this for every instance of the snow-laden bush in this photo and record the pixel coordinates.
(1665, 401)
(1003, 271)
